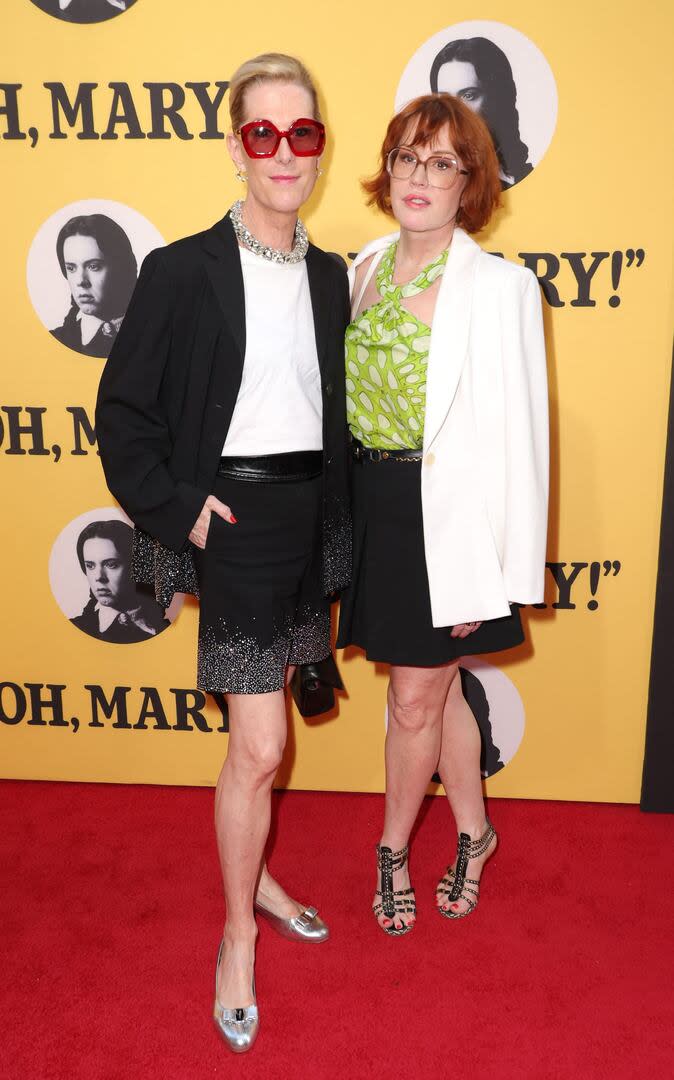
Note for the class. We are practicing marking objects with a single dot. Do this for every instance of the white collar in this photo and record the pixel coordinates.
(91, 324)
(106, 616)
(121, 4)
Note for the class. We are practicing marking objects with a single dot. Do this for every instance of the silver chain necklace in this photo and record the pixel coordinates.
(300, 241)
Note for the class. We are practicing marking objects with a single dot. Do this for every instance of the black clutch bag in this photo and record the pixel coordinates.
(314, 685)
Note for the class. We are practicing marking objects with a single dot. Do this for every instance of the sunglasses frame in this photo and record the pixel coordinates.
(300, 122)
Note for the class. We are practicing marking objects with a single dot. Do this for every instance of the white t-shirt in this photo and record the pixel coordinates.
(279, 407)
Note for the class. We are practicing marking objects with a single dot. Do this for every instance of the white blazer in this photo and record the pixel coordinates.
(484, 478)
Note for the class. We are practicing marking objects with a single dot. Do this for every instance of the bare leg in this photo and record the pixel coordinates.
(242, 815)
(270, 892)
(416, 698)
(459, 769)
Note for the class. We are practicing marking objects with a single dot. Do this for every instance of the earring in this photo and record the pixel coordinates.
(319, 171)
(240, 175)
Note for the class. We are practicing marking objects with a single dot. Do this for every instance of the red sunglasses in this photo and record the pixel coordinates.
(261, 138)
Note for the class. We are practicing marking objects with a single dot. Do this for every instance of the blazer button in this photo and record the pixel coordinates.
(429, 459)
(328, 389)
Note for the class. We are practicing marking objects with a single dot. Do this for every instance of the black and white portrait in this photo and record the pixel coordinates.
(478, 72)
(90, 573)
(476, 696)
(97, 261)
(82, 270)
(84, 11)
(500, 74)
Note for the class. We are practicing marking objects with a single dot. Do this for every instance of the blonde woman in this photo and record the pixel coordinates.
(221, 427)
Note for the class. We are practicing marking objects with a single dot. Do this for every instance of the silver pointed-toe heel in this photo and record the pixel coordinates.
(307, 926)
(238, 1027)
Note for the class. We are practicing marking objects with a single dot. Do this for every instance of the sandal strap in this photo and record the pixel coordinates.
(475, 848)
(387, 863)
(396, 892)
(467, 849)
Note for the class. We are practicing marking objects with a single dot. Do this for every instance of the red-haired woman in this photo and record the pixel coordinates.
(447, 407)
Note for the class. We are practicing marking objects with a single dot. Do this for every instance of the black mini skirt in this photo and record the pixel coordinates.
(260, 586)
(387, 609)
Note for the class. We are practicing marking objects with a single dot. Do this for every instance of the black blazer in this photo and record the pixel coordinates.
(168, 392)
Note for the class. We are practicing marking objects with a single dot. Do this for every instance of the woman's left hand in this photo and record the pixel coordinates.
(463, 629)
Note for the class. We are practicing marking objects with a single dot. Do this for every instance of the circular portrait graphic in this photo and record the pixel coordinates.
(90, 577)
(499, 73)
(498, 710)
(84, 11)
(82, 268)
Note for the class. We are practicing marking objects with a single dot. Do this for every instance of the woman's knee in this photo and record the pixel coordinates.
(259, 758)
(412, 711)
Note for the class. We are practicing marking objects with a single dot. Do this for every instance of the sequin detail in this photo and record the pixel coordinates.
(232, 662)
(337, 544)
(167, 571)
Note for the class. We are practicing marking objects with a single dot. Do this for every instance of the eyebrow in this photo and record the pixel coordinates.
(434, 153)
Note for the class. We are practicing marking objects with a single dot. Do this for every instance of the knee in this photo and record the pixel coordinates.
(259, 759)
(411, 712)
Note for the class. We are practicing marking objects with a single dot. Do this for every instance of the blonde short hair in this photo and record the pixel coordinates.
(269, 67)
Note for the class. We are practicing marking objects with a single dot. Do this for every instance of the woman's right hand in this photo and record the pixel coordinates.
(201, 525)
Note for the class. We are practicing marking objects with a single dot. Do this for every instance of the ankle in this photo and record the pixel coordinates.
(240, 934)
(475, 828)
(395, 843)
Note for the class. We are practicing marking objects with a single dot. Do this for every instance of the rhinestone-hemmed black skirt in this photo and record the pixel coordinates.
(387, 609)
(260, 584)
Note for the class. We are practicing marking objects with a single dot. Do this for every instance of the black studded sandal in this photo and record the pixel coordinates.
(455, 885)
(393, 902)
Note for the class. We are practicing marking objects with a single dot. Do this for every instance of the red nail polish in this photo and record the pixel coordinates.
(233, 520)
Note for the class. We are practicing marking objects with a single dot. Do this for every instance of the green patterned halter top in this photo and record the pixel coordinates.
(386, 356)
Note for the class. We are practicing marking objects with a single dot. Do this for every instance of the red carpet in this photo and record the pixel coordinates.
(111, 915)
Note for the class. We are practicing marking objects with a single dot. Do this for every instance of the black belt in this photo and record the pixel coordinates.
(364, 453)
(274, 468)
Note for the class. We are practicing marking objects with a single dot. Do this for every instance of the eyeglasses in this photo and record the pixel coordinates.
(261, 138)
(442, 170)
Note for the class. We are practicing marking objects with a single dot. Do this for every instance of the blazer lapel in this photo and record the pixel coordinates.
(223, 266)
(449, 332)
(320, 304)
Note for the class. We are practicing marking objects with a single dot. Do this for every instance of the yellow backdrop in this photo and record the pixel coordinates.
(602, 186)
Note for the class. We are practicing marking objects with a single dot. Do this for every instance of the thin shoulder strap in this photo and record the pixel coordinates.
(370, 271)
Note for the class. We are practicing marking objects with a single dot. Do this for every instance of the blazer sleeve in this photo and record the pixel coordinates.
(527, 450)
(131, 426)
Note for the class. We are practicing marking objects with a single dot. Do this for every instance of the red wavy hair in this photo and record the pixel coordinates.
(418, 124)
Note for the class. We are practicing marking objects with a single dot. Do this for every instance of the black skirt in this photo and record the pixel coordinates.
(387, 609)
(260, 586)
